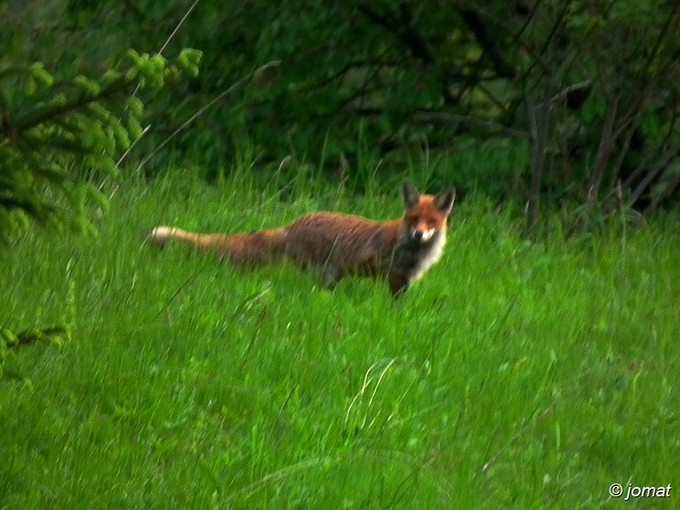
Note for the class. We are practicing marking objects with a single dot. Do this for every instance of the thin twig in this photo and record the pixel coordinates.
(160, 52)
(181, 22)
(231, 89)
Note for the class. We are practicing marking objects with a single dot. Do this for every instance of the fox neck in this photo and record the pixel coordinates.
(415, 257)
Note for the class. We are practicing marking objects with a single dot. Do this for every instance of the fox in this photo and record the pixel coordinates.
(341, 245)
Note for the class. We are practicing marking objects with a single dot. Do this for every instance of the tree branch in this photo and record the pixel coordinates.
(403, 29)
(474, 23)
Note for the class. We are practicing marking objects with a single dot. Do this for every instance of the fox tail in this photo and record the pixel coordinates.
(257, 248)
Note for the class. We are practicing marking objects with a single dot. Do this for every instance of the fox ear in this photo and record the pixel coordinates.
(411, 195)
(444, 200)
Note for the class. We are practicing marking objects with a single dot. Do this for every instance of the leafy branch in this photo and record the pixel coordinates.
(56, 135)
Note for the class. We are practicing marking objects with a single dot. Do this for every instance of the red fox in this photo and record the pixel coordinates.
(401, 251)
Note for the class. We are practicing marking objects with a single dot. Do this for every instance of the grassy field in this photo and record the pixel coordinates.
(515, 375)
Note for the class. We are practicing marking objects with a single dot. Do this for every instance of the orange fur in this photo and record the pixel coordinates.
(341, 244)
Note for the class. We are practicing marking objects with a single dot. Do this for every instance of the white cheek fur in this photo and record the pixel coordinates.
(427, 234)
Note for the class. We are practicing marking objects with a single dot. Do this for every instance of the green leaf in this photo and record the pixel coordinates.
(39, 73)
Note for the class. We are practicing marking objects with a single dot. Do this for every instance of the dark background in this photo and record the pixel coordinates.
(558, 103)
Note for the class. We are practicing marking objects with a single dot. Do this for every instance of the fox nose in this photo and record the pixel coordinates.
(417, 235)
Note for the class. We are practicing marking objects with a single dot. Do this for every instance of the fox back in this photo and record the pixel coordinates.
(340, 245)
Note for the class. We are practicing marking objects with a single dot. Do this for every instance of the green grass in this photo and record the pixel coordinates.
(514, 375)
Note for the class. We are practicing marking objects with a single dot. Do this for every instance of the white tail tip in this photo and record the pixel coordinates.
(162, 234)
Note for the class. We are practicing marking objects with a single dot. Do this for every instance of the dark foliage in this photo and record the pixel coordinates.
(590, 89)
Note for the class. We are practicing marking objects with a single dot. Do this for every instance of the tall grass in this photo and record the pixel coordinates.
(516, 374)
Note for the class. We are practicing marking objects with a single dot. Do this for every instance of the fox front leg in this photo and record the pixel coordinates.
(398, 284)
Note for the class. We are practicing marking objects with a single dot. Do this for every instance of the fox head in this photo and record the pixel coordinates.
(425, 215)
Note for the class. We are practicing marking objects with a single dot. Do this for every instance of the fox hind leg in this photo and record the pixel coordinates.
(330, 275)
